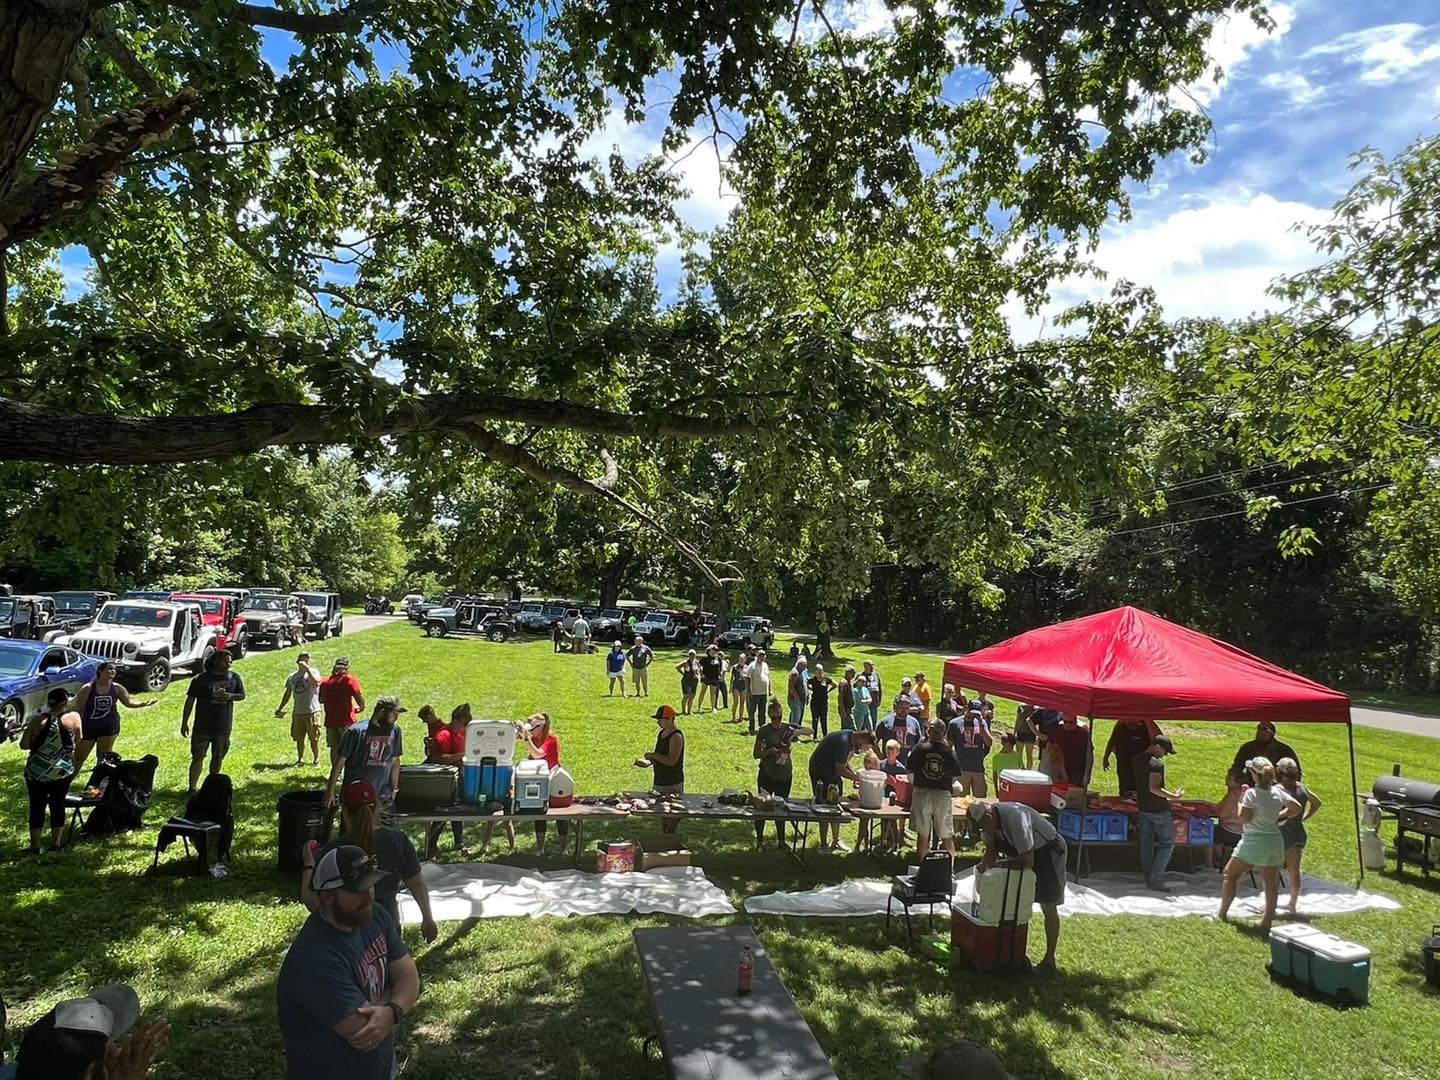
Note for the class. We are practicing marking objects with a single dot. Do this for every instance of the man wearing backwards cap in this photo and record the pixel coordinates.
(667, 759)
(348, 978)
(78, 1040)
(371, 750)
(1017, 835)
(1157, 823)
(1265, 745)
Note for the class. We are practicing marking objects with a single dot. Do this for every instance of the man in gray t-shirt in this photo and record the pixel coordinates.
(302, 689)
(371, 750)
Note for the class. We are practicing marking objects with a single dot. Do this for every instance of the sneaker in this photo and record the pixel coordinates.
(1158, 886)
(841, 847)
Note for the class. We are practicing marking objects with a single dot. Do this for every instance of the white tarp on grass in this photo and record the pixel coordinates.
(1099, 894)
(491, 890)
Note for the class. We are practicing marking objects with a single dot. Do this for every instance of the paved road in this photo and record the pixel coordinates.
(355, 623)
(1408, 723)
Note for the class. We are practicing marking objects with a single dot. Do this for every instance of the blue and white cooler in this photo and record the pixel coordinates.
(488, 762)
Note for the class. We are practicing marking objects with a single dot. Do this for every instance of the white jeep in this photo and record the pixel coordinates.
(148, 640)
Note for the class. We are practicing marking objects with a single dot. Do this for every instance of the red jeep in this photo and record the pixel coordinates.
(219, 611)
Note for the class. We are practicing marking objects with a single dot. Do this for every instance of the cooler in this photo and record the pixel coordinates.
(1330, 965)
(1025, 786)
(425, 787)
(903, 788)
(532, 786)
(562, 787)
(490, 739)
(485, 782)
(1283, 942)
(988, 947)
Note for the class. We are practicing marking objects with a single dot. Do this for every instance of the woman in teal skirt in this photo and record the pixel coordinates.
(1263, 807)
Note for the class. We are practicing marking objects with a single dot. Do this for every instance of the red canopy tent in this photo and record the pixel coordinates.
(1127, 664)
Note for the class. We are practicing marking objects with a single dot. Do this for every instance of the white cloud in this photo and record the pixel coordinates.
(1232, 40)
(1215, 259)
(697, 166)
(1386, 53)
(1300, 90)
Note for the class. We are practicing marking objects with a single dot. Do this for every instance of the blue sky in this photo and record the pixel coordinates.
(1292, 108)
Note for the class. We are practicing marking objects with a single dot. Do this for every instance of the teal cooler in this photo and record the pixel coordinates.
(1330, 965)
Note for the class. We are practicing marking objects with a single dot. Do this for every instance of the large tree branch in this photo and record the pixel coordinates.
(343, 20)
(40, 433)
(80, 175)
(520, 459)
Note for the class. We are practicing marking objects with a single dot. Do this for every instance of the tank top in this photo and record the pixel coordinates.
(53, 757)
(100, 706)
(668, 775)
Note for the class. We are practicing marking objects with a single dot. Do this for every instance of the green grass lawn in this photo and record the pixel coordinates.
(519, 998)
(1421, 704)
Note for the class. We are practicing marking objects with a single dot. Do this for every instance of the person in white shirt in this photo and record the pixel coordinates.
(759, 672)
(580, 631)
(302, 689)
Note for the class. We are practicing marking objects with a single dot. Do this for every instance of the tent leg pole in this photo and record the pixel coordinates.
(1355, 799)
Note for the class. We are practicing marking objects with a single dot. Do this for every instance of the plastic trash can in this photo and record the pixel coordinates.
(303, 817)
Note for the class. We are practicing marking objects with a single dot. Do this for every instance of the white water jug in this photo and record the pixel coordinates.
(872, 789)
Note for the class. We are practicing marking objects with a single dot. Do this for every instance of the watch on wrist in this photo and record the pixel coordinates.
(397, 1010)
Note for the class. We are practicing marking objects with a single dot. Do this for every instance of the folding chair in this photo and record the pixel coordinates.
(933, 883)
(208, 820)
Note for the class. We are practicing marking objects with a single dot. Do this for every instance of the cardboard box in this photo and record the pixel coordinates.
(663, 849)
(615, 857)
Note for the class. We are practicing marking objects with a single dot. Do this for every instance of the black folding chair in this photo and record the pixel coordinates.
(208, 821)
(933, 883)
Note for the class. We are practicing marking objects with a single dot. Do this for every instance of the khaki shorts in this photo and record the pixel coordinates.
(932, 813)
(333, 735)
(306, 724)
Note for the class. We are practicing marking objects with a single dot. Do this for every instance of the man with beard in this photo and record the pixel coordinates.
(348, 978)
(1265, 745)
(371, 750)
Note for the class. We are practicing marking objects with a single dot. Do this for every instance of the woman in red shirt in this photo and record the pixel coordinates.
(538, 735)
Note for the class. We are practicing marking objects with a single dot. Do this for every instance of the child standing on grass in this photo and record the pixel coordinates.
(894, 830)
(1007, 758)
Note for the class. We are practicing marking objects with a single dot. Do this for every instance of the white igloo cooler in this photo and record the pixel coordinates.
(532, 786)
(490, 740)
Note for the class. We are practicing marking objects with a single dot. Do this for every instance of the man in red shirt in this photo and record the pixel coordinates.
(341, 696)
(445, 745)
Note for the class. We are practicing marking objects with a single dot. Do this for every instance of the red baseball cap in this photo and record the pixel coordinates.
(664, 712)
(360, 793)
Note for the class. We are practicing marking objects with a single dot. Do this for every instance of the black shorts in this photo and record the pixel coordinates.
(102, 727)
(778, 788)
(1026, 736)
(1225, 838)
(1050, 872)
(712, 682)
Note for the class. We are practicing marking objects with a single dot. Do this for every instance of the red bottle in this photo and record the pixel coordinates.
(745, 973)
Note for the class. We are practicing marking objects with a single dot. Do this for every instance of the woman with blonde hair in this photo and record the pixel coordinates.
(391, 849)
(1263, 808)
(1287, 770)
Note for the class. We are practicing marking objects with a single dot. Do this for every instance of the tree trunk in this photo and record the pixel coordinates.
(823, 652)
(612, 577)
(38, 42)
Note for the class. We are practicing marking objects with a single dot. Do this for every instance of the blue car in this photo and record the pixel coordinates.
(29, 670)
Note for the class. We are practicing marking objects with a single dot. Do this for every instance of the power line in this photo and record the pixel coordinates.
(1292, 481)
(1234, 513)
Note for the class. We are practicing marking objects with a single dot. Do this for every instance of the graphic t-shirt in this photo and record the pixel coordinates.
(968, 739)
(304, 693)
(214, 718)
(933, 765)
(339, 695)
(615, 663)
(327, 975)
(906, 733)
(369, 755)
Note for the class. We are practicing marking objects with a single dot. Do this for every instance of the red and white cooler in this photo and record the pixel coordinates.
(1025, 786)
(562, 787)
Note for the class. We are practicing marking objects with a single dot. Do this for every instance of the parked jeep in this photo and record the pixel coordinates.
(748, 630)
(77, 610)
(323, 615)
(470, 617)
(271, 620)
(28, 618)
(663, 628)
(150, 641)
(219, 613)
